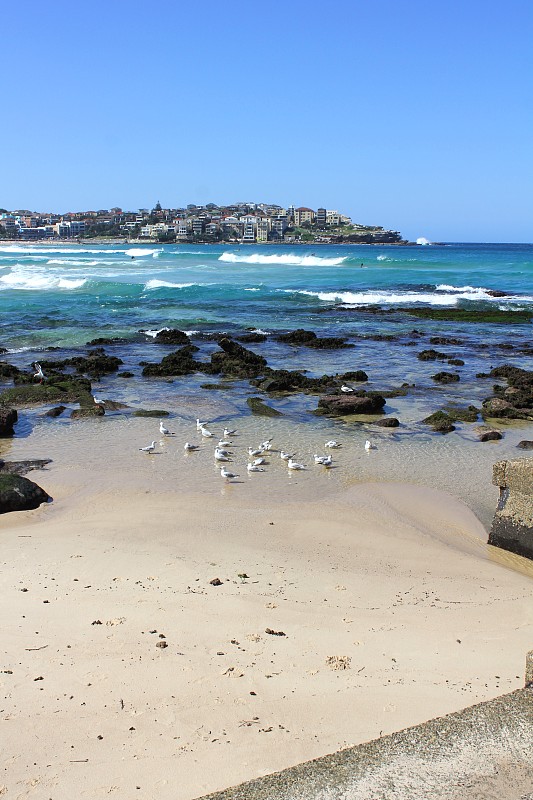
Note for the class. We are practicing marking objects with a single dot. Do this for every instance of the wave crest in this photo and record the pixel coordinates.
(282, 260)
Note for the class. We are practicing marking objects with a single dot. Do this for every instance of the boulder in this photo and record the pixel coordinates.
(181, 362)
(64, 388)
(236, 360)
(8, 417)
(20, 494)
(299, 336)
(8, 370)
(88, 411)
(55, 412)
(446, 340)
(446, 377)
(456, 362)
(432, 355)
(512, 527)
(252, 338)
(22, 467)
(488, 434)
(150, 412)
(171, 336)
(358, 376)
(260, 408)
(525, 444)
(360, 403)
(388, 422)
(440, 421)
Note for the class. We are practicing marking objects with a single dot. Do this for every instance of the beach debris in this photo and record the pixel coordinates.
(338, 662)
(242, 576)
(253, 637)
(116, 621)
(97, 622)
(40, 678)
(216, 582)
(274, 633)
(162, 644)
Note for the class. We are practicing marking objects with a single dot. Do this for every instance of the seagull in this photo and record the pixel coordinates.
(148, 449)
(200, 425)
(222, 451)
(97, 402)
(257, 462)
(225, 473)
(286, 456)
(346, 389)
(189, 446)
(39, 374)
(369, 446)
(254, 468)
(220, 456)
(228, 433)
(266, 445)
(332, 443)
(294, 464)
(164, 431)
(206, 433)
(224, 443)
(254, 453)
(325, 461)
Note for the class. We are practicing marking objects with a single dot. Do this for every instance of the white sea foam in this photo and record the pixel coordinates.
(280, 260)
(383, 258)
(138, 252)
(158, 284)
(252, 289)
(382, 298)
(28, 282)
(67, 262)
(74, 251)
(153, 333)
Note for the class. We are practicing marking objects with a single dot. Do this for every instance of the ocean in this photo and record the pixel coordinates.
(62, 296)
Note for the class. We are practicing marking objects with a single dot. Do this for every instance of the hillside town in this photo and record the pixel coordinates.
(246, 223)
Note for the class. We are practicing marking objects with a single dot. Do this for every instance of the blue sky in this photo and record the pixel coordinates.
(413, 115)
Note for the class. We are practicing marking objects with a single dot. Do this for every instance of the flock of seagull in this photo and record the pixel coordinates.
(256, 455)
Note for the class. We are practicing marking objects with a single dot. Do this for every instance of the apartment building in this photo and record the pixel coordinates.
(302, 215)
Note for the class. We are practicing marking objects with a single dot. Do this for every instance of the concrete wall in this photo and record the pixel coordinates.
(485, 751)
(512, 527)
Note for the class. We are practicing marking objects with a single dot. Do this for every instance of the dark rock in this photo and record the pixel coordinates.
(299, 336)
(55, 412)
(440, 421)
(181, 362)
(456, 362)
(162, 644)
(91, 411)
(432, 355)
(22, 467)
(358, 376)
(216, 582)
(251, 338)
(446, 340)
(217, 386)
(261, 409)
(525, 444)
(282, 380)
(20, 494)
(125, 374)
(3, 350)
(488, 434)
(172, 336)
(103, 340)
(469, 414)
(328, 343)
(360, 403)
(8, 417)
(496, 293)
(144, 412)
(236, 360)
(468, 315)
(446, 377)
(388, 422)
(64, 388)
(8, 370)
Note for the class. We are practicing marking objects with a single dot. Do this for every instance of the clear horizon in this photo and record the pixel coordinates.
(417, 119)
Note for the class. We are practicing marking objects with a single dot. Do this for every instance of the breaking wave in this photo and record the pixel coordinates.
(282, 260)
(20, 280)
(444, 296)
(158, 284)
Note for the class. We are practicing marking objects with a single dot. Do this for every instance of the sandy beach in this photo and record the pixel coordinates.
(126, 672)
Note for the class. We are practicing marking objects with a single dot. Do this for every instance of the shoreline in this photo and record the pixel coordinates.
(397, 588)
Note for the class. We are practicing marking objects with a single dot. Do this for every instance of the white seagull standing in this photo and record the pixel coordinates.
(324, 461)
(228, 433)
(207, 434)
(254, 453)
(164, 431)
(189, 446)
(254, 468)
(39, 373)
(332, 443)
(369, 446)
(294, 465)
(266, 445)
(200, 425)
(148, 449)
(225, 473)
(286, 456)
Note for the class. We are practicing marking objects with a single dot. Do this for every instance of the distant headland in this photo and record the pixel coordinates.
(242, 223)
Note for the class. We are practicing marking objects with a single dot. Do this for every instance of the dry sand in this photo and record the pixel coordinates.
(392, 610)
